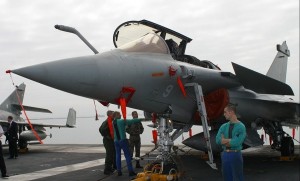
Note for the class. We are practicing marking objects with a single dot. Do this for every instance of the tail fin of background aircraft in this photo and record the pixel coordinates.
(12, 99)
(71, 120)
(11, 103)
(279, 66)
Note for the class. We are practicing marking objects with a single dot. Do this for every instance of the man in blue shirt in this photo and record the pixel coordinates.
(121, 142)
(231, 136)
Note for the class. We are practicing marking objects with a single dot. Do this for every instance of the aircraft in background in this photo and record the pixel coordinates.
(11, 107)
(150, 71)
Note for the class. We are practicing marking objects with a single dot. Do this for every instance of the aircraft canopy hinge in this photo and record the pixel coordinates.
(187, 73)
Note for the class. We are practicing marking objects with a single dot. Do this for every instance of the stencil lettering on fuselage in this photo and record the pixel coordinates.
(168, 90)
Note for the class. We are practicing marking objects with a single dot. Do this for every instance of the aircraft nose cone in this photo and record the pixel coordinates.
(72, 75)
(97, 76)
(36, 72)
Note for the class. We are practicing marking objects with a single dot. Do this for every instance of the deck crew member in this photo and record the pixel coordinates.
(231, 136)
(134, 132)
(12, 133)
(106, 130)
(2, 162)
(121, 142)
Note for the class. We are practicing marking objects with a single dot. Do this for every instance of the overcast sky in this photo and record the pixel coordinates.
(245, 32)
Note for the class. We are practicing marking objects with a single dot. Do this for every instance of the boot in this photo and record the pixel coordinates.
(107, 172)
(138, 165)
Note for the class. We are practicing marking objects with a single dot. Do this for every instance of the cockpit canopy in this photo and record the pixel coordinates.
(151, 43)
(133, 30)
(146, 36)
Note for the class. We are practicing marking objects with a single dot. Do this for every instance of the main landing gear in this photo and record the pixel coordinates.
(281, 140)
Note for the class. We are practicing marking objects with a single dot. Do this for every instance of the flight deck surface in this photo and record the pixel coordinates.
(86, 162)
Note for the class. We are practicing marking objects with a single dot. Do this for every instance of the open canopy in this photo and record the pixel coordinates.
(146, 36)
(132, 30)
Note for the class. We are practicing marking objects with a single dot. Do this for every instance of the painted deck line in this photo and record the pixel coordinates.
(57, 170)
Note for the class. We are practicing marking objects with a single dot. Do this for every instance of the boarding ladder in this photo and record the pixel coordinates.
(203, 115)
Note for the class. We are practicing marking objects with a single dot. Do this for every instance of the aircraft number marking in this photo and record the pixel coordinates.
(168, 90)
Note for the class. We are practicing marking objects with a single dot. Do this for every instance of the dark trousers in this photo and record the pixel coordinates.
(123, 144)
(2, 163)
(135, 145)
(110, 157)
(13, 148)
(232, 166)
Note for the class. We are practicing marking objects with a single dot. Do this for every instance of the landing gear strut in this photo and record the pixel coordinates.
(164, 166)
(165, 142)
(282, 141)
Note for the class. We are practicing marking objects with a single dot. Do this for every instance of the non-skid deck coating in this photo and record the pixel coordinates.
(86, 162)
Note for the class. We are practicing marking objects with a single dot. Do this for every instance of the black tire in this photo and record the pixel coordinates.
(287, 146)
(22, 144)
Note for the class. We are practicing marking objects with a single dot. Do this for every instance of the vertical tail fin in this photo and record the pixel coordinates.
(12, 99)
(279, 66)
(71, 120)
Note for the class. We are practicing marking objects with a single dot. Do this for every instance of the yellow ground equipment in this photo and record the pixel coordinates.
(155, 172)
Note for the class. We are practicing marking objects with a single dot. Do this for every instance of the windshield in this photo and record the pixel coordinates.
(151, 43)
(130, 32)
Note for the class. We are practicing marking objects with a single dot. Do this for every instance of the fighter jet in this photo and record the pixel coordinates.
(12, 106)
(150, 71)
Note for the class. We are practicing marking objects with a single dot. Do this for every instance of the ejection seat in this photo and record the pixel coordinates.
(173, 47)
